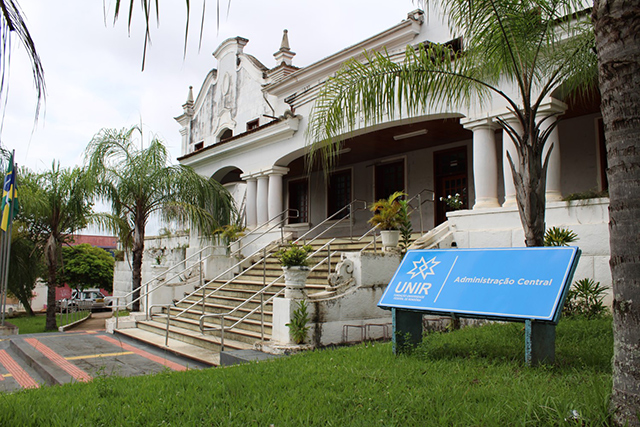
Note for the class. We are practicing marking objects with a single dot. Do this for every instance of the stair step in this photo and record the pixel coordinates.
(184, 331)
(196, 311)
(178, 347)
(193, 337)
(256, 285)
(249, 331)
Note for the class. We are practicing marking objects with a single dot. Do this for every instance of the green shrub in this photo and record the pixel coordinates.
(298, 326)
(294, 255)
(556, 236)
(585, 299)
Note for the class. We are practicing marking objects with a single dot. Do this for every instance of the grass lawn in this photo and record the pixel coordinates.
(35, 324)
(471, 377)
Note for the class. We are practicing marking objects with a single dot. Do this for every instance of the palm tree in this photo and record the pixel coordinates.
(56, 204)
(529, 45)
(139, 182)
(618, 48)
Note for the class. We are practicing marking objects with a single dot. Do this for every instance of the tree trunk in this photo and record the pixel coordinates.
(52, 267)
(26, 303)
(136, 273)
(529, 178)
(617, 25)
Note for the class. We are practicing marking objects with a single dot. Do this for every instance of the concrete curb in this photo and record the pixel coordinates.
(49, 371)
(71, 325)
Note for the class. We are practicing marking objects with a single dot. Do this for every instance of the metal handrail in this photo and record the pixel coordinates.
(168, 308)
(280, 277)
(420, 203)
(145, 293)
(244, 243)
(373, 241)
(230, 269)
(146, 284)
(284, 215)
(260, 293)
(327, 259)
(350, 217)
(265, 255)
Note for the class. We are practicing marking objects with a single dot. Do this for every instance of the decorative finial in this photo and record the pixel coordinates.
(284, 54)
(190, 95)
(285, 41)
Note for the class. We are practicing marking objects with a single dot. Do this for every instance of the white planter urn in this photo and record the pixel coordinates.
(390, 238)
(295, 278)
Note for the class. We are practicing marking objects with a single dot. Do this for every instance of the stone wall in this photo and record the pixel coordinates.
(501, 227)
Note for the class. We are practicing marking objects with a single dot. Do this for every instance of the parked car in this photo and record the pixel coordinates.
(86, 299)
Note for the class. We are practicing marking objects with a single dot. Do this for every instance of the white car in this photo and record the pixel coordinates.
(86, 299)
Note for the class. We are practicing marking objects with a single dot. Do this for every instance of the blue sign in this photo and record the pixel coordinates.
(508, 283)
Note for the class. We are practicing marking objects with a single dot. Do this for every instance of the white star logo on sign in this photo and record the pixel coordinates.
(423, 268)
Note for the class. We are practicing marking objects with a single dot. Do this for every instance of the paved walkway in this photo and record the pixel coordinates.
(95, 323)
(29, 361)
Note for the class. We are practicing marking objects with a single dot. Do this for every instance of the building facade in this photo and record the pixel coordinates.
(246, 129)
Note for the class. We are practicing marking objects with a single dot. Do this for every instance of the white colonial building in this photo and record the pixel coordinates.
(246, 129)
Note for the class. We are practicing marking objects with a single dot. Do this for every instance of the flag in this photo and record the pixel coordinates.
(9, 196)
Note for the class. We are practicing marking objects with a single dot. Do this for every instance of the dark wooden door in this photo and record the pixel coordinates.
(451, 178)
(299, 199)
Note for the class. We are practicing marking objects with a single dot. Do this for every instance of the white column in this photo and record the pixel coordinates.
(509, 146)
(485, 162)
(276, 205)
(251, 202)
(262, 199)
(554, 176)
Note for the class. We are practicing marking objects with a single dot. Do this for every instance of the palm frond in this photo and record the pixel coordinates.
(12, 23)
(536, 46)
(151, 10)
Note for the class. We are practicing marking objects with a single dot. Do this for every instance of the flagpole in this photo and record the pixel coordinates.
(7, 238)
(4, 267)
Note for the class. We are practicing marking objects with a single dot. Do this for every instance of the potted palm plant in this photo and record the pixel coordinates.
(294, 260)
(388, 216)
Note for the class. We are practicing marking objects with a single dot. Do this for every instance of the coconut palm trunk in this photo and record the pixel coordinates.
(530, 179)
(618, 46)
(138, 251)
(52, 269)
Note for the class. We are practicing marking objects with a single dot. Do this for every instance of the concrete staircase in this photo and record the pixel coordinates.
(238, 298)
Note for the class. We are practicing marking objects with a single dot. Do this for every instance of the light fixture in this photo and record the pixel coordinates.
(410, 134)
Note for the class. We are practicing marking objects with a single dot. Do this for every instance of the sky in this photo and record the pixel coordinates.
(93, 67)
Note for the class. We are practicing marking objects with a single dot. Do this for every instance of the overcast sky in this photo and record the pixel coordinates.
(93, 68)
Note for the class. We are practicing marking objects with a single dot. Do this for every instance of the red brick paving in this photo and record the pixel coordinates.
(19, 374)
(70, 368)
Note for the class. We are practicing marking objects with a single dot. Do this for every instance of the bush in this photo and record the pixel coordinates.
(298, 326)
(556, 236)
(585, 299)
(294, 255)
